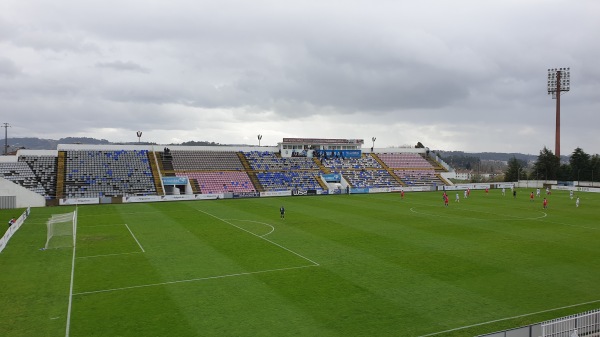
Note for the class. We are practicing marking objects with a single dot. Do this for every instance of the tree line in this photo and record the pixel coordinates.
(581, 167)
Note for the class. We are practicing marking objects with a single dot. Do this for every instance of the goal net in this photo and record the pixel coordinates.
(61, 230)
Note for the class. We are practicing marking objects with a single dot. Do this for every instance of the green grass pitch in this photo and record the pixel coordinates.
(357, 265)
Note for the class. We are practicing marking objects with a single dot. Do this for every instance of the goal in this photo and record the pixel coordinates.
(61, 230)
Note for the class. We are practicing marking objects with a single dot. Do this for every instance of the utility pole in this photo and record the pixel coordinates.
(5, 126)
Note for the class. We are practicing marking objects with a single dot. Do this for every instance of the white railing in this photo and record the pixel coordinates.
(582, 324)
(13, 229)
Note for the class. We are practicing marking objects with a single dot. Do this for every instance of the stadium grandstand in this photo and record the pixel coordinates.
(78, 173)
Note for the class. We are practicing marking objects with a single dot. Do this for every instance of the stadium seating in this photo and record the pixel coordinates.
(369, 178)
(185, 160)
(269, 161)
(419, 177)
(108, 173)
(220, 182)
(20, 173)
(281, 174)
(99, 173)
(44, 169)
(363, 162)
(404, 160)
(363, 172)
(286, 180)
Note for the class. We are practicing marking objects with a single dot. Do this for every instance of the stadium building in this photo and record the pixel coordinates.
(92, 174)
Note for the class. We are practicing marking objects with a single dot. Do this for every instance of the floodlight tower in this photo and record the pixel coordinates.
(559, 79)
(5, 126)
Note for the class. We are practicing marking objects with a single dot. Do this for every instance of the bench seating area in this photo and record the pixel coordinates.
(419, 177)
(365, 161)
(281, 174)
(269, 161)
(44, 169)
(286, 180)
(369, 178)
(90, 174)
(109, 173)
(363, 172)
(184, 160)
(20, 173)
(404, 160)
(221, 182)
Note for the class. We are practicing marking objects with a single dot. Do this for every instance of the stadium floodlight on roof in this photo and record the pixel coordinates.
(559, 79)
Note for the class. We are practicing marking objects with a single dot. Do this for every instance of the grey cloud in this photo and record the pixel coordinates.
(8, 68)
(123, 66)
(56, 41)
(470, 70)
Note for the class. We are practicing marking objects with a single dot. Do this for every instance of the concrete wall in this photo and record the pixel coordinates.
(25, 197)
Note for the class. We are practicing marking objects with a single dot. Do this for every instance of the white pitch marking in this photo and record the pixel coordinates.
(262, 223)
(247, 231)
(92, 256)
(70, 306)
(136, 240)
(509, 318)
(412, 209)
(108, 225)
(190, 280)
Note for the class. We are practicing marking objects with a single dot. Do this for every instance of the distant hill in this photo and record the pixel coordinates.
(488, 155)
(31, 143)
(50, 144)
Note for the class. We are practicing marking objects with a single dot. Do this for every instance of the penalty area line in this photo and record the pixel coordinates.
(116, 254)
(136, 240)
(190, 280)
(262, 223)
(261, 237)
(509, 318)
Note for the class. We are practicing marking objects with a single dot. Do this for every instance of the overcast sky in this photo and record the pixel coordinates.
(466, 75)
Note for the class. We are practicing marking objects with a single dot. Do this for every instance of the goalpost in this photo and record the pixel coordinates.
(61, 230)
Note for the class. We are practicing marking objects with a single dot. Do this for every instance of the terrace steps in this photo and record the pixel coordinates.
(251, 174)
(152, 160)
(60, 175)
(388, 169)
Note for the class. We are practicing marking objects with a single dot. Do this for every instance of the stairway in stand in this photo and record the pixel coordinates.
(387, 168)
(167, 164)
(152, 159)
(60, 175)
(251, 174)
(324, 169)
(195, 186)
